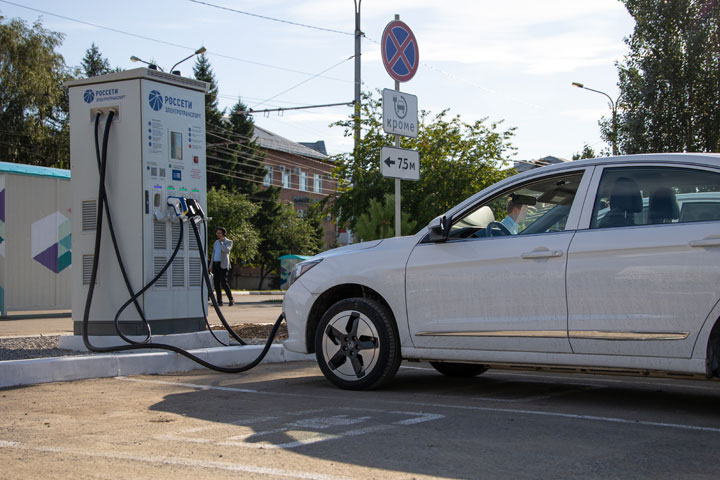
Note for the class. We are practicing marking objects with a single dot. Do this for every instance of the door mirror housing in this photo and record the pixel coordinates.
(439, 230)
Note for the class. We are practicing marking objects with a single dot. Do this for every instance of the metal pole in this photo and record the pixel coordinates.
(358, 38)
(613, 109)
(398, 210)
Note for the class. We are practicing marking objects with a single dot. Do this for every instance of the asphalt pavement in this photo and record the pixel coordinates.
(286, 421)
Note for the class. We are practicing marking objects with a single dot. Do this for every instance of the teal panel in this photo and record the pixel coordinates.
(66, 241)
(64, 261)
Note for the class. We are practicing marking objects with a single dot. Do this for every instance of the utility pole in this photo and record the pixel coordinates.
(358, 38)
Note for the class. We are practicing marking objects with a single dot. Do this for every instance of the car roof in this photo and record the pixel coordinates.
(697, 159)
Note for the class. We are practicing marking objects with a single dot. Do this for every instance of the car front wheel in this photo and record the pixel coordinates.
(356, 345)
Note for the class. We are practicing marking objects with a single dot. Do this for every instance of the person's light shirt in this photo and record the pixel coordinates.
(216, 251)
(510, 225)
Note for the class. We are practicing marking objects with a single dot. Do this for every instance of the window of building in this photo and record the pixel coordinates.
(285, 178)
(303, 181)
(317, 183)
(268, 176)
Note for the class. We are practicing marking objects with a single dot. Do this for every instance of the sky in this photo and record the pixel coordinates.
(511, 60)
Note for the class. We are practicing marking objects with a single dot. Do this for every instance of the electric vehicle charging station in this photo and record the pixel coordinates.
(149, 175)
(156, 151)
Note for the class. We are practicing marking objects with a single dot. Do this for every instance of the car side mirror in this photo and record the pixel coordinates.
(440, 230)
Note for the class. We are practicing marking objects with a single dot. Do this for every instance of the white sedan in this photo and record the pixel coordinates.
(607, 264)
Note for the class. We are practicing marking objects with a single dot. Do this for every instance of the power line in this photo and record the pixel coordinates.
(282, 109)
(269, 154)
(185, 47)
(271, 18)
(305, 81)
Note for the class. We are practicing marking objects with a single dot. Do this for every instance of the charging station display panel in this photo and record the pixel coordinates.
(173, 126)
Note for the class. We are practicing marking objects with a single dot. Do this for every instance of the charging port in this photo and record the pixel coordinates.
(104, 112)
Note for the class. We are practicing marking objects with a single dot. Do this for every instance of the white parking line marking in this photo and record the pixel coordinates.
(179, 461)
(301, 432)
(463, 407)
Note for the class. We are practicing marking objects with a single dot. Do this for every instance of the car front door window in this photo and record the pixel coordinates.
(538, 207)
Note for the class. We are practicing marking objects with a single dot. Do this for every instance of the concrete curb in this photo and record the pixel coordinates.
(60, 369)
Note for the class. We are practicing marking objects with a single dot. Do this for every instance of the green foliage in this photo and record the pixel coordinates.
(379, 221)
(587, 152)
(93, 63)
(33, 103)
(669, 93)
(284, 233)
(457, 159)
(234, 212)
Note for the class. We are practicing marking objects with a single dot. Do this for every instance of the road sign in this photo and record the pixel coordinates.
(400, 52)
(400, 163)
(400, 113)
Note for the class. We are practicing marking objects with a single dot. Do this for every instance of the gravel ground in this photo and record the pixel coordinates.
(20, 348)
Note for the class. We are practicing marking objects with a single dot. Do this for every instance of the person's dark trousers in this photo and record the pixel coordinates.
(220, 281)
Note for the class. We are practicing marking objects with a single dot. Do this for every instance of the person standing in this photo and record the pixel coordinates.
(221, 265)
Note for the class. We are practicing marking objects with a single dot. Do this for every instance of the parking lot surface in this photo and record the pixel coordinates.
(287, 421)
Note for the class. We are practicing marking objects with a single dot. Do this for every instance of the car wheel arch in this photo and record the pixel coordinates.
(333, 295)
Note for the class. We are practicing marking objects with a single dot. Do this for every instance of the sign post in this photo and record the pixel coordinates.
(401, 58)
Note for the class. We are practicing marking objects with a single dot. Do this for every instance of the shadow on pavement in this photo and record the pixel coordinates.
(424, 423)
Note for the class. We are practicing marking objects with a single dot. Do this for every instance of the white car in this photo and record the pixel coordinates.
(610, 264)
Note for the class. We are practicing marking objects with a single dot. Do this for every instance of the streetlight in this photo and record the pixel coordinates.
(151, 66)
(613, 107)
(197, 52)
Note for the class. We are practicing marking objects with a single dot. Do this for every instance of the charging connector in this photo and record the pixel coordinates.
(104, 111)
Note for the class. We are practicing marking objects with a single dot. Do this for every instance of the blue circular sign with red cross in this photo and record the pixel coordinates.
(400, 52)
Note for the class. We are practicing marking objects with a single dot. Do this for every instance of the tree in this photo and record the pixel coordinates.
(220, 152)
(587, 152)
(93, 63)
(234, 212)
(248, 171)
(457, 159)
(286, 233)
(669, 95)
(33, 103)
(379, 221)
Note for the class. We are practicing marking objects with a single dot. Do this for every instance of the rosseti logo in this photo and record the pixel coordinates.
(155, 100)
(88, 96)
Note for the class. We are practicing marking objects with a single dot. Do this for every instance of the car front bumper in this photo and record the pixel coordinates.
(296, 307)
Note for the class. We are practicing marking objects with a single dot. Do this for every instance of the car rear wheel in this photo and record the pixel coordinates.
(459, 370)
(356, 345)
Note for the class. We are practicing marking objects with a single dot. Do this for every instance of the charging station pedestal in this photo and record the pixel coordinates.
(156, 150)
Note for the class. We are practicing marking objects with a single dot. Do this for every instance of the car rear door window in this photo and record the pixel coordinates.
(634, 196)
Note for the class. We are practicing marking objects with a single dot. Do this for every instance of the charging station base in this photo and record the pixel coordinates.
(186, 341)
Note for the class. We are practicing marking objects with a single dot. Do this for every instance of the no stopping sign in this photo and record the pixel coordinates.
(400, 52)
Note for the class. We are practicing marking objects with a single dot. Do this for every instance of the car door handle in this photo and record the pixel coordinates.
(541, 253)
(711, 241)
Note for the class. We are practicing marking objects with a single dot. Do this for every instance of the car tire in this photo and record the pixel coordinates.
(459, 370)
(356, 344)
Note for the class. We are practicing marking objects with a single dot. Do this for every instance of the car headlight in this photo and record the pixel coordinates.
(301, 269)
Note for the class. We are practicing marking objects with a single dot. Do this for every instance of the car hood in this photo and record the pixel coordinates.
(349, 249)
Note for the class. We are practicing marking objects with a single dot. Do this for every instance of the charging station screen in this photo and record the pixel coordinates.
(176, 146)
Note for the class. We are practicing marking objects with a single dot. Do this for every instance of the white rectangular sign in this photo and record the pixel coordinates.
(400, 113)
(400, 163)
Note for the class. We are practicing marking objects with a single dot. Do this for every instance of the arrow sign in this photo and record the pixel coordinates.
(400, 163)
